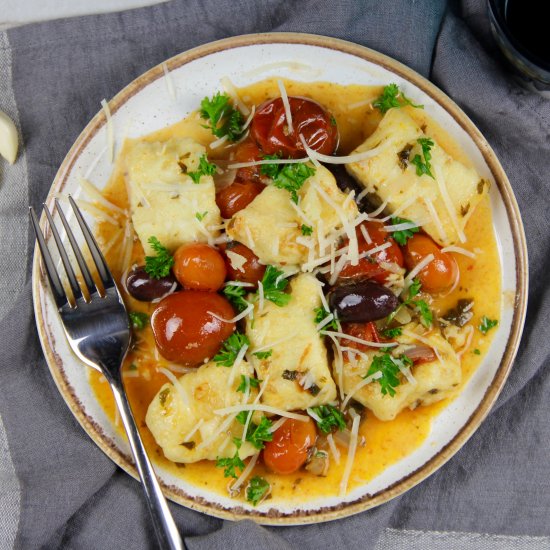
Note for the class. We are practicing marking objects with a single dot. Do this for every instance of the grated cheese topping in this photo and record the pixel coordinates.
(351, 456)
(286, 104)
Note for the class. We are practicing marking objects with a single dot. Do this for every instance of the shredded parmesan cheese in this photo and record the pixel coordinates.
(351, 456)
(351, 338)
(459, 250)
(348, 159)
(232, 92)
(110, 129)
(194, 430)
(236, 364)
(365, 382)
(238, 317)
(417, 269)
(218, 142)
(440, 178)
(277, 425)
(435, 218)
(286, 103)
(236, 260)
(263, 408)
(176, 383)
(333, 448)
(260, 297)
(169, 82)
(238, 165)
(236, 487)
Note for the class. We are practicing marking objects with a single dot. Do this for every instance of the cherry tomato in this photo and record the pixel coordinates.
(369, 268)
(364, 331)
(237, 196)
(199, 267)
(441, 273)
(251, 271)
(270, 128)
(248, 151)
(289, 448)
(186, 331)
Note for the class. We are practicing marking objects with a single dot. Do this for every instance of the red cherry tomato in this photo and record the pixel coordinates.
(364, 331)
(288, 450)
(441, 273)
(270, 130)
(251, 271)
(370, 268)
(199, 267)
(237, 196)
(185, 331)
(248, 151)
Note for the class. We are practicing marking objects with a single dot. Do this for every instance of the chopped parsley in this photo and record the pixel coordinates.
(231, 463)
(274, 284)
(163, 395)
(223, 119)
(330, 417)
(257, 489)
(288, 176)
(307, 230)
(405, 234)
(423, 166)
(205, 169)
(230, 349)
(421, 306)
(263, 354)
(389, 367)
(393, 97)
(320, 315)
(392, 332)
(476, 352)
(158, 266)
(235, 294)
(487, 324)
(138, 319)
(256, 433)
(200, 216)
(246, 381)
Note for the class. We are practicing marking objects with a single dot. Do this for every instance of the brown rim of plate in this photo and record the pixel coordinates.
(273, 516)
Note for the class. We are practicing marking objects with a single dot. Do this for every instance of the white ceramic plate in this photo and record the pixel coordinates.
(147, 105)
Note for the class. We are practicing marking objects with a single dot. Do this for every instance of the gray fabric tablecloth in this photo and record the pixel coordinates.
(52, 77)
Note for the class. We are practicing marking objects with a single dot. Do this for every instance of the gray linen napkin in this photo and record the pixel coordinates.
(72, 496)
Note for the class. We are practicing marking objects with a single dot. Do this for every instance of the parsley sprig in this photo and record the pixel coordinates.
(263, 354)
(231, 463)
(248, 382)
(274, 284)
(235, 294)
(138, 319)
(205, 169)
(257, 489)
(158, 266)
(223, 118)
(423, 166)
(392, 332)
(256, 434)
(307, 230)
(393, 97)
(487, 324)
(230, 349)
(288, 176)
(403, 235)
(388, 366)
(330, 417)
(421, 306)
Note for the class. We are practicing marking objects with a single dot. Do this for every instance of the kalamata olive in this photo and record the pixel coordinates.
(144, 288)
(362, 302)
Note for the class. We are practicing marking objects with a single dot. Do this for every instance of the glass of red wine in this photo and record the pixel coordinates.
(521, 30)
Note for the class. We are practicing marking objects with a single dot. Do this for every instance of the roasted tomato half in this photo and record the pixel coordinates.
(271, 131)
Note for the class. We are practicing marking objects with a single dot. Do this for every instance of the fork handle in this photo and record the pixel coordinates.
(165, 528)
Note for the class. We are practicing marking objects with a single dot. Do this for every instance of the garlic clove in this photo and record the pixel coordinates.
(9, 139)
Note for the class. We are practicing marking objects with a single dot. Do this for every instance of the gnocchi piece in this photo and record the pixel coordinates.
(391, 176)
(297, 371)
(434, 380)
(164, 200)
(183, 422)
(271, 226)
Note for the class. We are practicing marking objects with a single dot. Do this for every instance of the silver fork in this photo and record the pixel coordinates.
(98, 330)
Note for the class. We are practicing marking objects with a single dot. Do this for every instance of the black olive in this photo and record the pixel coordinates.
(144, 288)
(362, 302)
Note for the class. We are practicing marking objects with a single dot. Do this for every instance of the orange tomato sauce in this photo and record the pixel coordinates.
(385, 442)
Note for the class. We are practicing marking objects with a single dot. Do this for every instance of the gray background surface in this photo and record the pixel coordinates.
(52, 77)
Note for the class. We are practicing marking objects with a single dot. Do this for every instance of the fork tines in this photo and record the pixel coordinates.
(58, 290)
